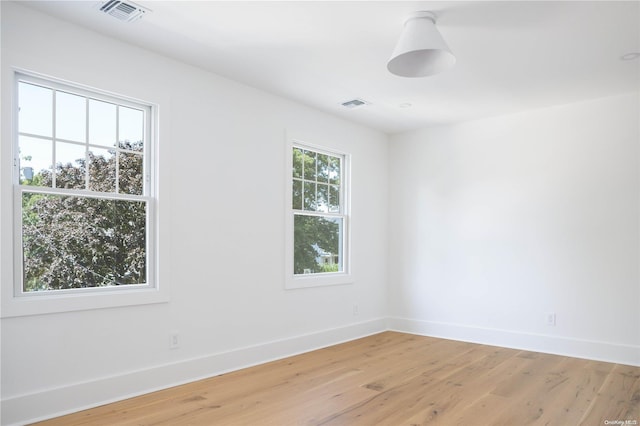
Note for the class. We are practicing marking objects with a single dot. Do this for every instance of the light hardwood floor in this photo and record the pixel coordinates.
(394, 379)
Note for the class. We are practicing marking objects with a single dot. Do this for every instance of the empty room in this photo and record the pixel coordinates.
(320, 213)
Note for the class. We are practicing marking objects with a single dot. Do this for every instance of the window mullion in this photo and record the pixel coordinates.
(146, 169)
(117, 149)
(315, 183)
(340, 187)
(319, 214)
(86, 144)
(54, 174)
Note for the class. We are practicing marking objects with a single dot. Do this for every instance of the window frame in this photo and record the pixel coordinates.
(298, 281)
(23, 302)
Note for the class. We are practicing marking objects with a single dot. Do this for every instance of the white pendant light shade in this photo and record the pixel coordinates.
(421, 50)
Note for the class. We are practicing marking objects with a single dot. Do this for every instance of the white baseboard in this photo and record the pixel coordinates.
(55, 402)
(594, 350)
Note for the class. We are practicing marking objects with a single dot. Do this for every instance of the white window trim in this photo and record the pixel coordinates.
(16, 302)
(293, 281)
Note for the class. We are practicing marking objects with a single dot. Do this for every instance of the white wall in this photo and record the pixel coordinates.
(498, 221)
(222, 177)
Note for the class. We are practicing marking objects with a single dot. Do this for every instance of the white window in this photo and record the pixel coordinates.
(318, 224)
(83, 192)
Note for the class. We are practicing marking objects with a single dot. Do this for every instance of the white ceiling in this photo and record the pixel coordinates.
(511, 56)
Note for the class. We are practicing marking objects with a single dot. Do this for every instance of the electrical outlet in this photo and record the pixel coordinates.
(173, 341)
(551, 318)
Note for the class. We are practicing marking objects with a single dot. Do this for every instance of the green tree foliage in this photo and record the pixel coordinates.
(313, 237)
(74, 241)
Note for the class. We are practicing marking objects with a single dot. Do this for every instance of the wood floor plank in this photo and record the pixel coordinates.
(502, 384)
(432, 394)
(541, 393)
(392, 379)
(570, 402)
(618, 398)
(464, 388)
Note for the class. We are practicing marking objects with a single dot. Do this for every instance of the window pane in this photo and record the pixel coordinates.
(102, 170)
(35, 109)
(297, 194)
(70, 165)
(130, 128)
(130, 175)
(78, 242)
(309, 165)
(297, 162)
(309, 196)
(334, 170)
(323, 198)
(323, 168)
(317, 244)
(71, 117)
(35, 161)
(102, 123)
(334, 199)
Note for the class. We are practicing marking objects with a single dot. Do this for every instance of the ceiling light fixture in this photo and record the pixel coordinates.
(421, 50)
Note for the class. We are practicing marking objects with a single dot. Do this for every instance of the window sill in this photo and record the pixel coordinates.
(318, 280)
(40, 304)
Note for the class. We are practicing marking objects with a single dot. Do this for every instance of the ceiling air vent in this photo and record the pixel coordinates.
(124, 11)
(354, 103)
